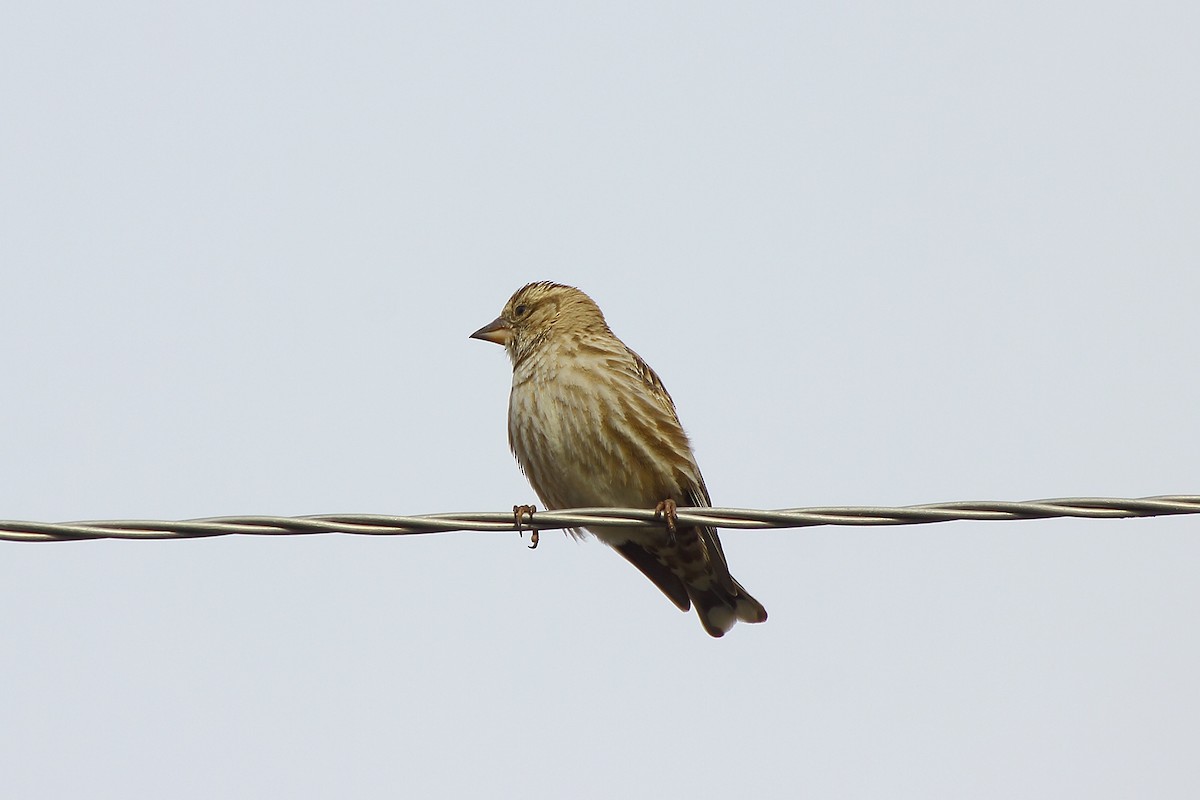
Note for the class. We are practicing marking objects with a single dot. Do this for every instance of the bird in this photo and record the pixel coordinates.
(591, 425)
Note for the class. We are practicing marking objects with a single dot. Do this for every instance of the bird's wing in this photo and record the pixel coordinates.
(654, 384)
(698, 497)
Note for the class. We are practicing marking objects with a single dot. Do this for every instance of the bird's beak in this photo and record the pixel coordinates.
(497, 331)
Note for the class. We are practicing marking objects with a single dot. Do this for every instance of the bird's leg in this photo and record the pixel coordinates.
(666, 510)
(518, 513)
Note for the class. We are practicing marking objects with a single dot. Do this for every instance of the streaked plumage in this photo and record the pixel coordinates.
(592, 425)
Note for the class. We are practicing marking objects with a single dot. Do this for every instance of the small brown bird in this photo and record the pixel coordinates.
(592, 425)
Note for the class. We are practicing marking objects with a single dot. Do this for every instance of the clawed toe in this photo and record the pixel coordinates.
(667, 511)
(518, 513)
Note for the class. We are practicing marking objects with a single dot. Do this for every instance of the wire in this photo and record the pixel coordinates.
(745, 518)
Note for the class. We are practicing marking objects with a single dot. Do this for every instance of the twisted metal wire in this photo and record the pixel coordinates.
(745, 518)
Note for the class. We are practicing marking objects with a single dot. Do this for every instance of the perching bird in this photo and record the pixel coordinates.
(592, 425)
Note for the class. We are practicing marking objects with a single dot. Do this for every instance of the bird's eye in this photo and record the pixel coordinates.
(520, 310)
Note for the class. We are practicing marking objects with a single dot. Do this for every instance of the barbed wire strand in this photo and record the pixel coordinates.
(740, 518)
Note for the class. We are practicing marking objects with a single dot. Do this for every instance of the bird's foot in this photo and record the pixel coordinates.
(518, 513)
(666, 510)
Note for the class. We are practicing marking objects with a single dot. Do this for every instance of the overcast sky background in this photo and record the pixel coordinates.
(879, 255)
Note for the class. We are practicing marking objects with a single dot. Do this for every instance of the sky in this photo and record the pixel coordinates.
(879, 254)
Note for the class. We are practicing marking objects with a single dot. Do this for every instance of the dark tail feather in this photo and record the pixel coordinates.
(719, 599)
(658, 573)
(720, 609)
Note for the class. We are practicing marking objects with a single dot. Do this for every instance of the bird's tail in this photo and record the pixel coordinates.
(693, 572)
(720, 606)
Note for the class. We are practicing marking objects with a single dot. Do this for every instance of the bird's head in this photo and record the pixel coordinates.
(537, 312)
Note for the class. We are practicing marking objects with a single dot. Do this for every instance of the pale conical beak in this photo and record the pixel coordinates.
(497, 331)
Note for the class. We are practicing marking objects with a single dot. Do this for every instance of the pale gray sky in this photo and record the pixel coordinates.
(879, 255)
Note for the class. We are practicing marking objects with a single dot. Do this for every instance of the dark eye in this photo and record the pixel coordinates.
(520, 310)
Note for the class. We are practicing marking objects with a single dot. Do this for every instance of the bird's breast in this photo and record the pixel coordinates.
(585, 439)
